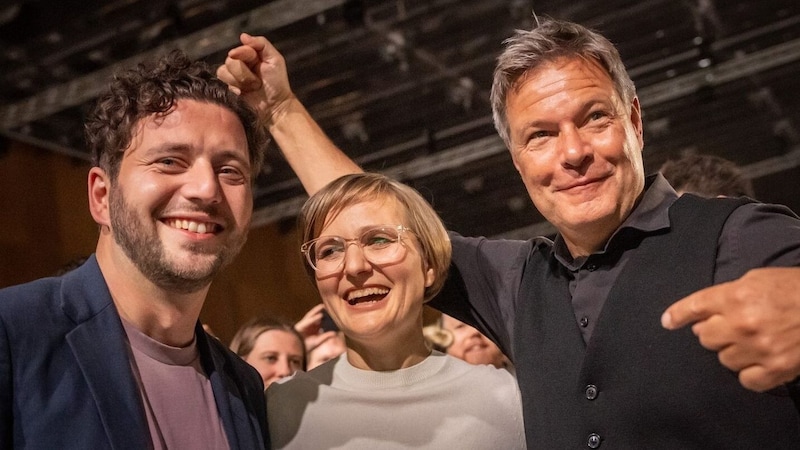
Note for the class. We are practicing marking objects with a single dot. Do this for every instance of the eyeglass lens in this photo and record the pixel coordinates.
(380, 245)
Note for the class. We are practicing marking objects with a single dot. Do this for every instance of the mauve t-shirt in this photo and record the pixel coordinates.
(176, 393)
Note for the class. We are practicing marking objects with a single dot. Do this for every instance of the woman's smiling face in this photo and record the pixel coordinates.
(375, 302)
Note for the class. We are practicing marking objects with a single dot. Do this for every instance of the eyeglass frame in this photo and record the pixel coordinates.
(306, 247)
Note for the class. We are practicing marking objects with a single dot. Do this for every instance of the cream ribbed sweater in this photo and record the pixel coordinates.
(440, 403)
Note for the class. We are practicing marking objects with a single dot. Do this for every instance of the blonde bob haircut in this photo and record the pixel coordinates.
(357, 188)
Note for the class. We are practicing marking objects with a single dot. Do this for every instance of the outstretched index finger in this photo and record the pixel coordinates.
(692, 308)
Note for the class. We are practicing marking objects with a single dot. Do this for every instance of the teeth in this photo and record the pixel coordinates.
(191, 225)
(355, 301)
(355, 295)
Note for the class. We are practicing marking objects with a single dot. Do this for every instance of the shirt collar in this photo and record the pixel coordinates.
(650, 214)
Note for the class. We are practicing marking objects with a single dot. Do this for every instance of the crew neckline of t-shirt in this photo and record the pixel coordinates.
(165, 354)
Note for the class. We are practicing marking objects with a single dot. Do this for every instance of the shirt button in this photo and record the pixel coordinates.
(591, 392)
(594, 440)
(591, 267)
(584, 322)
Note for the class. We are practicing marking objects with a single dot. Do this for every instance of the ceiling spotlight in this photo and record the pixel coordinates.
(462, 93)
(98, 55)
(53, 37)
(516, 203)
(354, 129)
(394, 50)
(658, 127)
(473, 185)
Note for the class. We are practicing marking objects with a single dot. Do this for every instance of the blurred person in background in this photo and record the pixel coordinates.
(273, 347)
(473, 347)
(707, 176)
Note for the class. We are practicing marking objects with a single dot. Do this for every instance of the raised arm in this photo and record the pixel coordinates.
(257, 71)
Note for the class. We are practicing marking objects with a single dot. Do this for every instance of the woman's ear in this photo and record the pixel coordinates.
(430, 275)
(99, 188)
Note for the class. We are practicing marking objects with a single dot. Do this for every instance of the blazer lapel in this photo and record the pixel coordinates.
(240, 427)
(98, 343)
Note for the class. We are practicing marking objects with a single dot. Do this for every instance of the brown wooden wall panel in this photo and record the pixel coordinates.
(45, 220)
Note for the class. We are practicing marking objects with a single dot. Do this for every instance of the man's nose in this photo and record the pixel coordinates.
(203, 184)
(574, 148)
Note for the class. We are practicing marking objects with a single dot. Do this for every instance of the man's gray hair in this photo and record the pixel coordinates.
(548, 41)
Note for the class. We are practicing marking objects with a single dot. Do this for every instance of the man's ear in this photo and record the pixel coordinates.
(99, 186)
(636, 120)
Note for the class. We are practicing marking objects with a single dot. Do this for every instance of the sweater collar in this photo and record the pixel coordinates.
(370, 380)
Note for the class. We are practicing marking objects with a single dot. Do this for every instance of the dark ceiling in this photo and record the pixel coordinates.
(403, 85)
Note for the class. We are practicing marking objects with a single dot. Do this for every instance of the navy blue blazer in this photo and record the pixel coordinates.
(66, 379)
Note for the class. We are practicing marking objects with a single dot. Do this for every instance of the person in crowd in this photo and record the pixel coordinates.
(438, 338)
(706, 176)
(377, 252)
(111, 354)
(273, 347)
(594, 321)
(323, 340)
(471, 345)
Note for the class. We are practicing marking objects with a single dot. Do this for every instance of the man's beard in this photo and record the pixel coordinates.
(147, 252)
